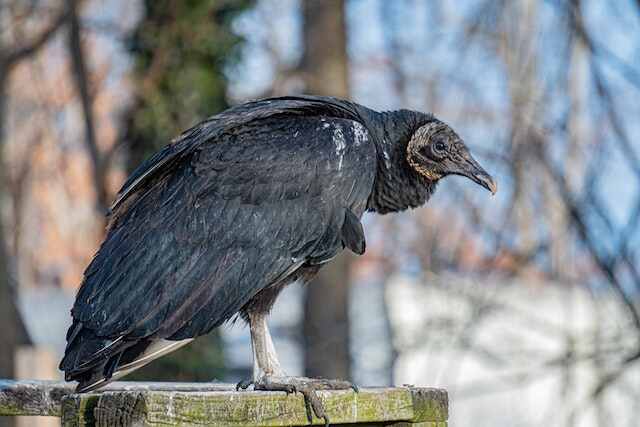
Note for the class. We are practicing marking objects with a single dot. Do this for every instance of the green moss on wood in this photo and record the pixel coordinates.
(424, 424)
(31, 397)
(78, 410)
(276, 409)
(427, 407)
(429, 404)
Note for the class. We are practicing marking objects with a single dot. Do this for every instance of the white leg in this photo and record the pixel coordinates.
(265, 359)
(268, 375)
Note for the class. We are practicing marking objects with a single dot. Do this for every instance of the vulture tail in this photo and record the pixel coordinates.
(95, 362)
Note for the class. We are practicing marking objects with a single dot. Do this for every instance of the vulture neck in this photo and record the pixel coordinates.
(397, 186)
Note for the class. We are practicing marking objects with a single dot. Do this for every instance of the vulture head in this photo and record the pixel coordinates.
(436, 151)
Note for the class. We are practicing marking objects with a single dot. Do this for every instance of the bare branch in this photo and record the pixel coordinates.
(29, 48)
(579, 222)
(80, 76)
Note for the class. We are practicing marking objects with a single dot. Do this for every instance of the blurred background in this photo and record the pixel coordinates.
(525, 306)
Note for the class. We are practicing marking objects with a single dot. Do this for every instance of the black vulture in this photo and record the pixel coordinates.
(218, 222)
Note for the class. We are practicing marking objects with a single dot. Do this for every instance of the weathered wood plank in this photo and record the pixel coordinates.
(32, 397)
(134, 403)
(429, 404)
(375, 406)
(424, 424)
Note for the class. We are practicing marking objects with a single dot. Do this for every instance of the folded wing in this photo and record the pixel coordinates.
(198, 232)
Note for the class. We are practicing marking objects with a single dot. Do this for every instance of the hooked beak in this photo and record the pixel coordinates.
(472, 170)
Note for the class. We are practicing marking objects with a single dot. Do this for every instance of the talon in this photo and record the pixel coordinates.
(244, 384)
(316, 404)
(308, 410)
(308, 387)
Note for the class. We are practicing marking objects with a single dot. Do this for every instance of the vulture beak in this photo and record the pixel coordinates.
(472, 170)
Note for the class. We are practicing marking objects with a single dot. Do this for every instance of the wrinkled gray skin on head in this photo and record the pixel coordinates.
(436, 151)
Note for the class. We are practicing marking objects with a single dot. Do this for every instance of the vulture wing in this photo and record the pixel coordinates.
(233, 206)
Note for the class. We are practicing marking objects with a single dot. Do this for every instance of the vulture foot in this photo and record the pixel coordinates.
(303, 385)
(244, 384)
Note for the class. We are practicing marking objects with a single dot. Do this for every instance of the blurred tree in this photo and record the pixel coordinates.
(181, 50)
(81, 78)
(326, 317)
(559, 222)
(12, 328)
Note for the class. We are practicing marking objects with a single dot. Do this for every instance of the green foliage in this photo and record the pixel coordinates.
(201, 360)
(180, 51)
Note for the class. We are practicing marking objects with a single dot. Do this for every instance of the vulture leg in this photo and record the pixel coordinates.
(265, 359)
(269, 376)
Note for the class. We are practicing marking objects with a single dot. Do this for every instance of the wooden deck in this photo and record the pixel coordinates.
(216, 404)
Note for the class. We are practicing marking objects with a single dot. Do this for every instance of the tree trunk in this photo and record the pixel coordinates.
(325, 63)
(326, 318)
(81, 79)
(12, 329)
(7, 351)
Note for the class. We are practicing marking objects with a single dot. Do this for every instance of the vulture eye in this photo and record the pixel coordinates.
(439, 147)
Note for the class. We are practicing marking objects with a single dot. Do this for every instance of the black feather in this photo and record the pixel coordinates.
(234, 209)
(353, 233)
(218, 216)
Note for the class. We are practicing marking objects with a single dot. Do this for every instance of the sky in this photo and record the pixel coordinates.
(449, 77)
(445, 76)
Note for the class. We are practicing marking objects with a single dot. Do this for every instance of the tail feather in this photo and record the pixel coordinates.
(95, 361)
(87, 351)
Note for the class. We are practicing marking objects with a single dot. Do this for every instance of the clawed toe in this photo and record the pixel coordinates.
(313, 402)
(244, 384)
(308, 387)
